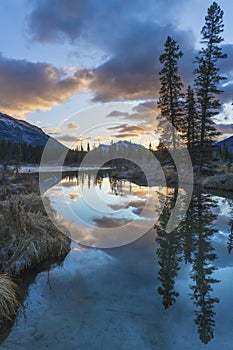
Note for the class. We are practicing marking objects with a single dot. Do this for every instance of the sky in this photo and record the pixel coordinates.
(87, 70)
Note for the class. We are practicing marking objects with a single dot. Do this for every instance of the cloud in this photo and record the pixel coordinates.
(226, 65)
(74, 196)
(132, 50)
(225, 128)
(53, 131)
(129, 64)
(125, 135)
(117, 114)
(56, 20)
(144, 116)
(67, 138)
(133, 71)
(72, 125)
(27, 86)
(126, 128)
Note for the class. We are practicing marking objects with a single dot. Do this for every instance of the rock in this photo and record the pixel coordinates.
(219, 182)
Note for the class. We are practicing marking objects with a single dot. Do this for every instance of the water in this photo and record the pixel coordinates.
(162, 291)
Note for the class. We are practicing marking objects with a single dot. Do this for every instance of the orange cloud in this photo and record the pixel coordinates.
(27, 86)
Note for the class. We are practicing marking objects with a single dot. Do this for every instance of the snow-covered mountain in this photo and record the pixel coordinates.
(228, 142)
(20, 131)
(121, 146)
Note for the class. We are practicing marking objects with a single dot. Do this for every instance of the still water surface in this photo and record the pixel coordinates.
(162, 291)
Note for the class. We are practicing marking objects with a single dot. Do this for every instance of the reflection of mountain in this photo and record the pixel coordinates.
(191, 241)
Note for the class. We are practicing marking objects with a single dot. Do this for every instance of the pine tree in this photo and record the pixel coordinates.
(208, 78)
(170, 94)
(192, 130)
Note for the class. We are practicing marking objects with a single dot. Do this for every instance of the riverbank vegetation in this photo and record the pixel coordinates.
(27, 235)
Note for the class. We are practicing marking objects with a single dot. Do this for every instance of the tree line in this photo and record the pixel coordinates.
(19, 153)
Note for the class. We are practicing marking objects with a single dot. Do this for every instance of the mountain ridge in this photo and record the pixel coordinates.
(20, 131)
(228, 142)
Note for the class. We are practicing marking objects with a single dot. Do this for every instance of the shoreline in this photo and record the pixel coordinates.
(28, 237)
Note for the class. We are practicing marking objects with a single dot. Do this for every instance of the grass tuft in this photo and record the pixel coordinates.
(8, 298)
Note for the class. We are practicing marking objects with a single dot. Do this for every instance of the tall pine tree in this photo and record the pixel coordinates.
(207, 80)
(170, 94)
(191, 129)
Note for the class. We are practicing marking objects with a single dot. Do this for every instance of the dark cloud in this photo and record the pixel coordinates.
(107, 222)
(27, 86)
(132, 72)
(125, 135)
(144, 113)
(226, 65)
(56, 19)
(67, 138)
(94, 20)
(126, 128)
(131, 33)
(117, 114)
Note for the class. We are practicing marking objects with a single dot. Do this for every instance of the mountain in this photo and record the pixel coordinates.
(20, 131)
(121, 146)
(227, 142)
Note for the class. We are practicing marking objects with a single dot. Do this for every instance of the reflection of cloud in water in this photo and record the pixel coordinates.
(223, 208)
(54, 190)
(98, 237)
(74, 196)
(100, 219)
(88, 260)
(220, 237)
(109, 222)
(222, 222)
(139, 205)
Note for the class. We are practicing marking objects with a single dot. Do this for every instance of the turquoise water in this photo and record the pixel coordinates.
(162, 291)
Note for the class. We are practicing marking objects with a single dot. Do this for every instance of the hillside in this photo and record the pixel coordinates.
(20, 131)
(227, 142)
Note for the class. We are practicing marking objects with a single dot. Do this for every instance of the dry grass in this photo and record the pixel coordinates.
(8, 298)
(27, 235)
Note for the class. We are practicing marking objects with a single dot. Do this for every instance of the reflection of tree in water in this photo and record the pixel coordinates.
(230, 236)
(202, 267)
(116, 186)
(99, 181)
(169, 253)
(88, 177)
(191, 241)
